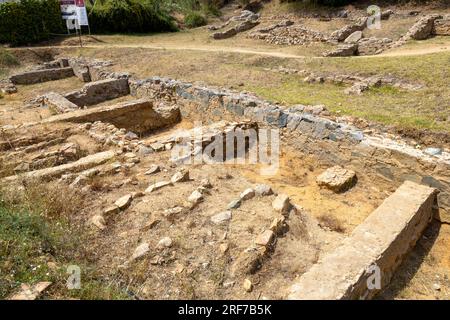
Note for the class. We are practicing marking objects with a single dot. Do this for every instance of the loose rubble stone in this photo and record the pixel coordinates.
(143, 151)
(30, 292)
(173, 211)
(442, 26)
(221, 217)
(165, 242)
(248, 286)
(223, 247)
(157, 186)
(344, 32)
(131, 136)
(157, 146)
(354, 37)
(337, 179)
(180, 176)
(153, 169)
(140, 251)
(265, 238)
(23, 167)
(195, 198)
(433, 151)
(423, 28)
(247, 194)
(343, 50)
(111, 210)
(281, 203)
(124, 202)
(234, 204)
(262, 190)
(99, 222)
(277, 225)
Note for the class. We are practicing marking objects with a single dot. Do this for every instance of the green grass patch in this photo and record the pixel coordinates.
(7, 59)
(39, 240)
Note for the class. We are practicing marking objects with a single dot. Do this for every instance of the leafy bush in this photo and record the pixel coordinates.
(194, 20)
(130, 16)
(29, 21)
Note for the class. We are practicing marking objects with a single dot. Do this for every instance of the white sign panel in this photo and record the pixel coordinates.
(81, 13)
(74, 10)
(68, 9)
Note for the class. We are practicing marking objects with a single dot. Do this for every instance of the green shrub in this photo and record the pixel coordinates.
(29, 21)
(7, 59)
(194, 20)
(136, 16)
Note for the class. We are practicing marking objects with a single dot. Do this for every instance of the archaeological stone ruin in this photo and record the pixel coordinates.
(118, 127)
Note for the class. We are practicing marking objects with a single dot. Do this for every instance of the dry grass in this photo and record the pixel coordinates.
(330, 222)
(40, 236)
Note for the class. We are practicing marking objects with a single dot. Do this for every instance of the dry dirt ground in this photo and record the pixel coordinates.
(202, 257)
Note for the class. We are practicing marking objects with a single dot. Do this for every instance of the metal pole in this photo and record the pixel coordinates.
(79, 36)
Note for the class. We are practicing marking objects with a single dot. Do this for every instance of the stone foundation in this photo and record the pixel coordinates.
(37, 76)
(138, 116)
(382, 241)
(99, 91)
(334, 143)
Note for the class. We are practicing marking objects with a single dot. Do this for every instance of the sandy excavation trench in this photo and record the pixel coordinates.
(172, 230)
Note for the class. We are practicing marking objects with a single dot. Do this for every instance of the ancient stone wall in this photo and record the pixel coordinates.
(145, 117)
(99, 91)
(332, 142)
(37, 76)
(365, 261)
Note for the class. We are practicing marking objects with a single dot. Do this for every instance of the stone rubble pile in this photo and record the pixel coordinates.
(245, 21)
(285, 33)
(356, 44)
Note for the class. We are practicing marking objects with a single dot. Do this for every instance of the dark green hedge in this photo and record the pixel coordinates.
(29, 21)
(129, 16)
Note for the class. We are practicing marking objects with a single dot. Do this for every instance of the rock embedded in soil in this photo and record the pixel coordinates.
(205, 183)
(157, 186)
(247, 194)
(248, 285)
(153, 169)
(433, 151)
(99, 222)
(277, 225)
(165, 242)
(140, 251)
(354, 37)
(111, 210)
(124, 202)
(221, 217)
(234, 204)
(337, 179)
(281, 204)
(265, 238)
(262, 190)
(180, 176)
(195, 198)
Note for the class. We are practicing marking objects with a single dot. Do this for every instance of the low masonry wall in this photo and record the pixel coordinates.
(381, 241)
(37, 76)
(332, 142)
(99, 91)
(138, 116)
